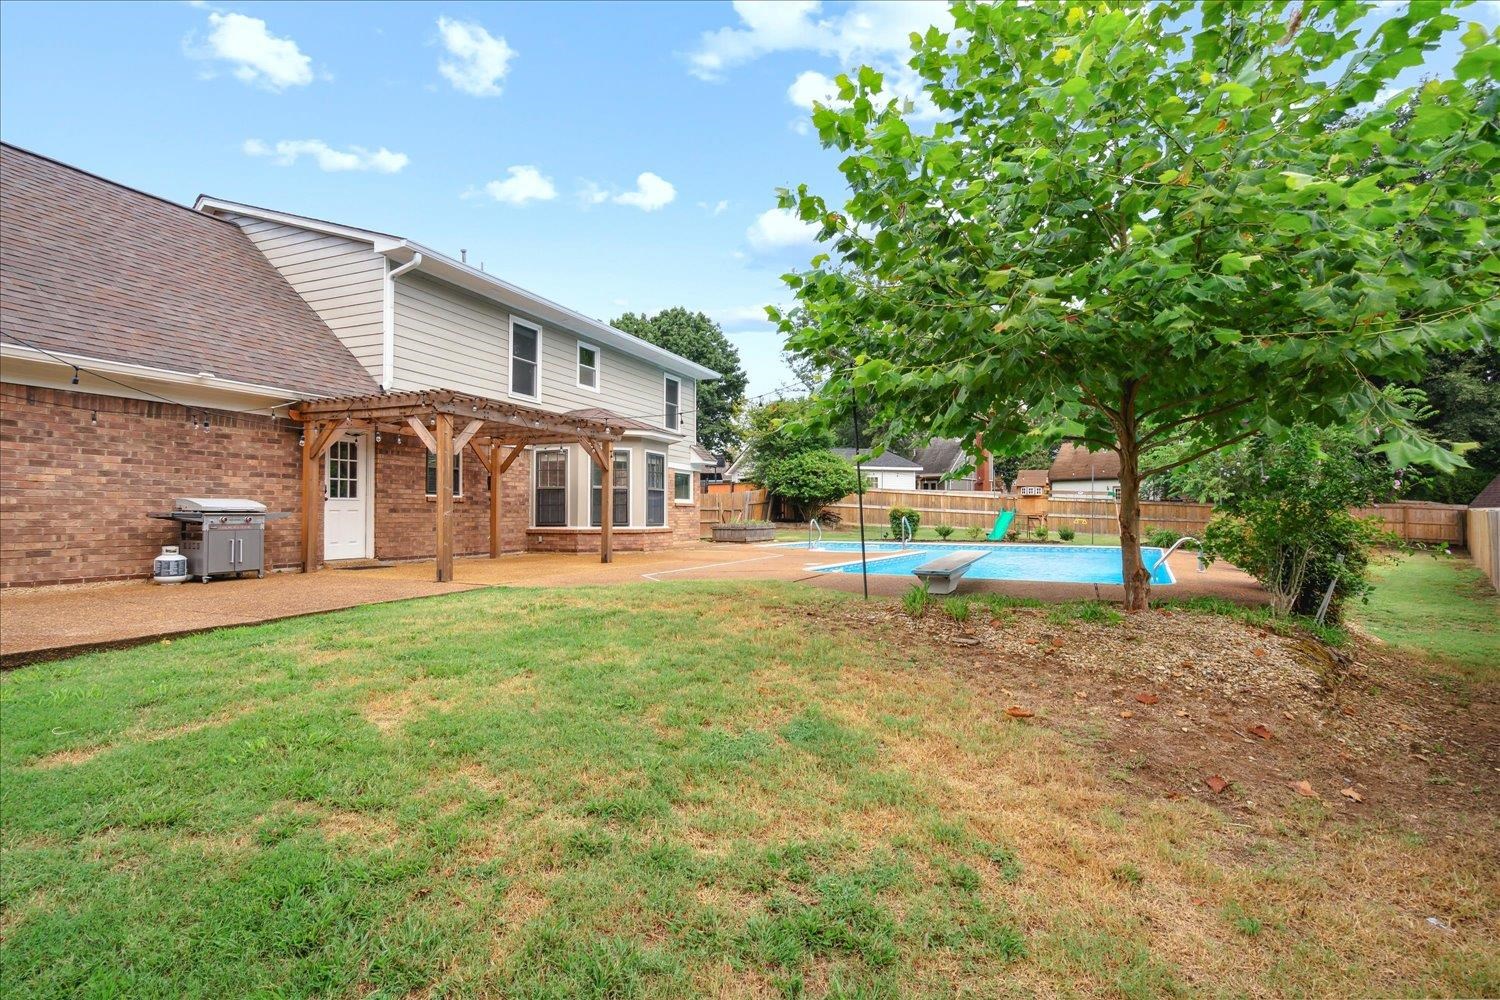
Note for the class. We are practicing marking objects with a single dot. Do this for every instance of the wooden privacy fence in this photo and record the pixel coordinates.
(1431, 523)
(1484, 541)
(722, 508)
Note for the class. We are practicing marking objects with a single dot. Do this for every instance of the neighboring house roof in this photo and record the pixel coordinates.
(96, 270)
(940, 457)
(1075, 463)
(1030, 477)
(736, 470)
(1489, 496)
(403, 251)
(888, 462)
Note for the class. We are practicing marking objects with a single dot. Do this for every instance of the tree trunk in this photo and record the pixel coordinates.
(1137, 579)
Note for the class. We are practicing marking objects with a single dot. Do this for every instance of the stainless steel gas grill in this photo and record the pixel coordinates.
(221, 535)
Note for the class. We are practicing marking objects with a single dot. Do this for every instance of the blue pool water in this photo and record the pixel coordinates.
(1037, 563)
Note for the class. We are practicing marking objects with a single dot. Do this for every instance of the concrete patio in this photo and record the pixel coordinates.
(54, 622)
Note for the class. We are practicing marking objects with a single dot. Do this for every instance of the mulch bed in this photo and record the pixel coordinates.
(1182, 701)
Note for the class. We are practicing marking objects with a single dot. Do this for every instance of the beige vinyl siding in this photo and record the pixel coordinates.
(449, 339)
(341, 279)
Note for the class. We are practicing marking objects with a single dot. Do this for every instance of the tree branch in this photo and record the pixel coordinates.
(1196, 455)
(1202, 415)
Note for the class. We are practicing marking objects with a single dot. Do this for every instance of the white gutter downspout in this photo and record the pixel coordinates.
(388, 321)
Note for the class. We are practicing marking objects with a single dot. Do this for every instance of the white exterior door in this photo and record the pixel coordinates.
(347, 498)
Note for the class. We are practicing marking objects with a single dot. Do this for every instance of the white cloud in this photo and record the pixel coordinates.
(524, 184)
(740, 315)
(779, 228)
(812, 86)
(257, 56)
(717, 208)
(591, 194)
(480, 60)
(651, 193)
(868, 31)
(289, 151)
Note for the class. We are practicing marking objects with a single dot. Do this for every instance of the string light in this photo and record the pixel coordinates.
(94, 417)
(75, 374)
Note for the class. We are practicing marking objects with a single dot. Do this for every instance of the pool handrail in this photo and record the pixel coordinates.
(906, 532)
(813, 525)
(1175, 545)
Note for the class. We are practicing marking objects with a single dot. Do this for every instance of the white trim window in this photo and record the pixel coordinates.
(621, 515)
(458, 474)
(525, 359)
(672, 399)
(656, 489)
(682, 486)
(550, 494)
(588, 366)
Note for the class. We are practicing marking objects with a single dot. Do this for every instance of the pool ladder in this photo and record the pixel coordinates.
(905, 531)
(814, 526)
(1175, 546)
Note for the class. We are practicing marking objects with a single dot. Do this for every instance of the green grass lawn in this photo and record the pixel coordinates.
(647, 790)
(1440, 605)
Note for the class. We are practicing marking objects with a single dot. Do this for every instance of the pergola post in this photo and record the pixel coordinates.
(606, 501)
(312, 497)
(444, 441)
(494, 465)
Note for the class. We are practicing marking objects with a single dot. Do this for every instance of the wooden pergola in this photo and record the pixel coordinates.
(447, 422)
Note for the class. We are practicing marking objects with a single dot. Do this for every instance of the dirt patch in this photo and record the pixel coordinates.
(68, 758)
(389, 710)
(361, 827)
(1173, 699)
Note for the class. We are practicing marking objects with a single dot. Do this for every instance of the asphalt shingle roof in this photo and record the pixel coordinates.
(1074, 463)
(889, 460)
(89, 267)
(940, 457)
(1489, 496)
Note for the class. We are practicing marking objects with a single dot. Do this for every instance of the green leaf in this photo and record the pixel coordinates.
(1433, 120)
(1074, 86)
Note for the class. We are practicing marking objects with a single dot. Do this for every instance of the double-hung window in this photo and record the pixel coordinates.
(458, 474)
(551, 488)
(656, 490)
(588, 366)
(620, 516)
(525, 359)
(673, 398)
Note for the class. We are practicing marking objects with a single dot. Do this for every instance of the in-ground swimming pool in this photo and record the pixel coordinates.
(1033, 563)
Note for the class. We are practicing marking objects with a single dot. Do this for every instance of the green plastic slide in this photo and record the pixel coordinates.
(1002, 525)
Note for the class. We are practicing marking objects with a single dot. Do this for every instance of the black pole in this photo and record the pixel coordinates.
(859, 472)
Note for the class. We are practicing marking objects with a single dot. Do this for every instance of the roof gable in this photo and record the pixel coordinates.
(95, 269)
(886, 462)
(1489, 496)
(940, 457)
(1074, 463)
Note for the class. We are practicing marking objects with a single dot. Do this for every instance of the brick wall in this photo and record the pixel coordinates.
(74, 494)
(405, 518)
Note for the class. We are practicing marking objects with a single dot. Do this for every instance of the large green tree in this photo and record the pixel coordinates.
(1139, 225)
(698, 338)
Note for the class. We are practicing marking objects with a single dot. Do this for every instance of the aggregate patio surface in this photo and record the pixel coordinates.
(38, 624)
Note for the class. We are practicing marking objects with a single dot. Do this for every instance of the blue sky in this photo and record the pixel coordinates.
(610, 156)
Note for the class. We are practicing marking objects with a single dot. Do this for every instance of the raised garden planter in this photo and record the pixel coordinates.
(742, 533)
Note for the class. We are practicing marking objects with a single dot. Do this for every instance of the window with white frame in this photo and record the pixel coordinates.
(656, 490)
(458, 474)
(525, 359)
(673, 396)
(620, 517)
(551, 488)
(682, 487)
(588, 366)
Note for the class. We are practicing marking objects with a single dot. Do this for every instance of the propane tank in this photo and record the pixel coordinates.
(169, 567)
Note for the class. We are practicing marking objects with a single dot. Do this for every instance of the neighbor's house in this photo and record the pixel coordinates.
(1080, 474)
(149, 351)
(938, 461)
(888, 472)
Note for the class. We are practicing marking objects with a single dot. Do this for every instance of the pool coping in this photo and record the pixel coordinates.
(986, 546)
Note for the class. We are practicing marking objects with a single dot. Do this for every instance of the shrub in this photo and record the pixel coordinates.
(912, 517)
(1161, 538)
(916, 600)
(974, 531)
(1285, 518)
(1040, 533)
(1066, 534)
(809, 481)
(943, 530)
(1013, 534)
